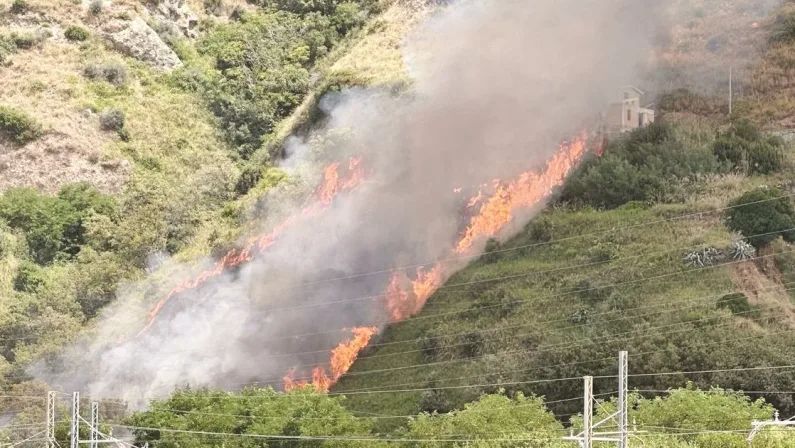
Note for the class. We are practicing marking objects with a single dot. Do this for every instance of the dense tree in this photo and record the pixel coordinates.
(301, 412)
(764, 212)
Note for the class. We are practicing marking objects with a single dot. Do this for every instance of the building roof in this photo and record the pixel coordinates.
(640, 92)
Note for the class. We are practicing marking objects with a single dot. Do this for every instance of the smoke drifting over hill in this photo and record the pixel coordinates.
(498, 85)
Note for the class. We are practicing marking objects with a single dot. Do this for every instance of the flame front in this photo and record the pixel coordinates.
(342, 358)
(323, 196)
(528, 190)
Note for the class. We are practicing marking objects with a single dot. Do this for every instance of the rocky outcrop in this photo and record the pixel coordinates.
(138, 40)
(177, 14)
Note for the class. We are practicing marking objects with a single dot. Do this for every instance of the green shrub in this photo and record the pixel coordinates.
(763, 212)
(124, 134)
(746, 149)
(647, 165)
(29, 278)
(249, 177)
(783, 28)
(18, 126)
(19, 6)
(112, 120)
(23, 41)
(7, 47)
(737, 303)
(76, 33)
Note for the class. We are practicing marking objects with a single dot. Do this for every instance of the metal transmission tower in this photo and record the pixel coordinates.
(51, 419)
(587, 412)
(74, 431)
(623, 390)
(94, 423)
(588, 436)
(759, 425)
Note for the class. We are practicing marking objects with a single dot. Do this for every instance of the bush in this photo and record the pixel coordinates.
(214, 6)
(96, 6)
(7, 47)
(737, 303)
(23, 41)
(18, 126)
(784, 28)
(76, 33)
(249, 177)
(19, 6)
(647, 165)
(745, 148)
(113, 73)
(763, 212)
(29, 278)
(112, 120)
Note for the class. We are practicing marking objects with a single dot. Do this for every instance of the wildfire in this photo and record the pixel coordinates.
(332, 185)
(342, 358)
(397, 300)
(526, 191)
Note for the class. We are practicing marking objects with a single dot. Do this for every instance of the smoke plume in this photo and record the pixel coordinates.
(497, 85)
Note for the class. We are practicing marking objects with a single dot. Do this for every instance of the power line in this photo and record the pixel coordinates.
(670, 274)
(553, 347)
(337, 438)
(509, 277)
(191, 412)
(552, 241)
(722, 341)
(698, 302)
(543, 243)
(431, 316)
(372, 391)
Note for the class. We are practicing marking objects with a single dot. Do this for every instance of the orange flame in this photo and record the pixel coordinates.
(397, 300)
(342, 358)
(425, 284)
(526, 191)
(323, 196)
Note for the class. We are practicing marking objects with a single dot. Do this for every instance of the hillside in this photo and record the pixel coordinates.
(155, 173)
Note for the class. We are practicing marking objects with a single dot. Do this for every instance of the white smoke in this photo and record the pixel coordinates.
(498, 84)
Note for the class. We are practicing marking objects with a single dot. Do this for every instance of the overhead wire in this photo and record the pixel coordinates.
(482, 356)
(553, 241)
(544, 243)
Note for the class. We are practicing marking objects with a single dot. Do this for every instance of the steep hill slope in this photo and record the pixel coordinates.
(579, 284)
(569, 293)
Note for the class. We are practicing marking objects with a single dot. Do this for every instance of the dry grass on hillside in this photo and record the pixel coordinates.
(377, 58)
(41, 82)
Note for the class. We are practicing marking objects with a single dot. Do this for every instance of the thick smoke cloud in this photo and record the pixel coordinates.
(498, 84)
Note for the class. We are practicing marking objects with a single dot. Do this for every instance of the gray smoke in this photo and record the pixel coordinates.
(498, 84)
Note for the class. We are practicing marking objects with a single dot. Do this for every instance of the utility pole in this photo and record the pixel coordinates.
(587, 413)
(74, 432)
(51, 419)
(731, 89)
(623, 434)
(94, 423)
(758, 426)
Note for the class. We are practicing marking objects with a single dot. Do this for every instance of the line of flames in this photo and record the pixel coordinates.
(528, 190)
(342, 358)
(319, 200)
(495, 212)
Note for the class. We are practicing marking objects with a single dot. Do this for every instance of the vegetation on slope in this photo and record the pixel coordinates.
(125, 165)
(580, 283)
